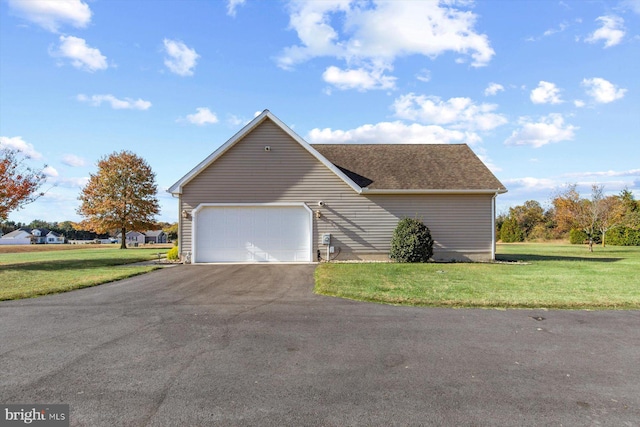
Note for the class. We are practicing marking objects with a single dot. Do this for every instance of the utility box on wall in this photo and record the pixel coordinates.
(326, 239)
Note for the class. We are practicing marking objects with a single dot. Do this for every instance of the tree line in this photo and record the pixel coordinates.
(595, 219)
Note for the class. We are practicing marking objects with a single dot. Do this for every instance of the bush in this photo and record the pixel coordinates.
(577, 237)
(510, 232)
(172, 255)
(411, 242)
(623, 236)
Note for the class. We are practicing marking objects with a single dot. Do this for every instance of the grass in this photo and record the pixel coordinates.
(547, 276)
(25, 274)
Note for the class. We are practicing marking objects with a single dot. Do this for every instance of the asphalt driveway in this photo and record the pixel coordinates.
(252, 345)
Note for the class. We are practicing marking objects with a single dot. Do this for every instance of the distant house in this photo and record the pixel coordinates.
(21, 236)
(27, 236)
(54, 238)
(132, 237)
(155, 236)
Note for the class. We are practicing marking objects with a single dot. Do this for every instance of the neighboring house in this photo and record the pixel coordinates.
(20, 236)
(155, 236)
(26, 236)
(54, 238)
(133, 237)
(268, 195)
(39, 235)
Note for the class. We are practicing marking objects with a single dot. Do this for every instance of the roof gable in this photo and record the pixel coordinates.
(412, 167)
(381, 168)
(19, 233)
(265, 115)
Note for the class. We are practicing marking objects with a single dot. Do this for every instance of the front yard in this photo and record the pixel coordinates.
(32, 273)
(546, 276)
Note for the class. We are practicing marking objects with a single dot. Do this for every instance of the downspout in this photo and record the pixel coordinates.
(179, 224)
(493, 227)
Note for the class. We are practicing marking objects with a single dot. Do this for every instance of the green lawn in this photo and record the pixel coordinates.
(29, 274)
(548, 276)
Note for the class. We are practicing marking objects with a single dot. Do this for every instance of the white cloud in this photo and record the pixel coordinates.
(360, 79)
(232, 5)
(531, 183)
(51, 15)
(493, 89)
(424, 75)
(605, 174)
(391, 133)
(181, 59)
(460, 113)
(233, 120)
(563, 26)
(602, 91)
(116, 104)
(71, 182)
(547, 129)
(50, 171)
(82, 56)
(73, 160)
(579, 103)
(203, 116)
(546, 93)
(612, 31)
(365, 40)
(633, 5)
(19, 144)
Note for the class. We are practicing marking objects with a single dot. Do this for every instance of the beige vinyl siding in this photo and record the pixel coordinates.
(361, 226)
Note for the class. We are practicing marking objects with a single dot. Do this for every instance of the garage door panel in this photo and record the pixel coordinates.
(252, 234)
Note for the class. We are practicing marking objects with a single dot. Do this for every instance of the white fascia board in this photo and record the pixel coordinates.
(366, 191)
(177, 187)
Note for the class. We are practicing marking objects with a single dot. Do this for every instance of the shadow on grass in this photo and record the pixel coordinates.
(531, 257)
(69, 264)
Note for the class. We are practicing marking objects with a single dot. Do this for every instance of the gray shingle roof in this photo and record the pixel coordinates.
(411, 166)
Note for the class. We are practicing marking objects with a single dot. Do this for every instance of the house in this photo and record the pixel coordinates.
(21, 236)
(39, 235)
(54, 238)
(133, 238)
(26, 236)
(155, 236)
(268, 195)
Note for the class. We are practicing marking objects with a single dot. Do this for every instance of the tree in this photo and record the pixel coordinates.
(573, 212)
(527, 216)
(120, 196)
(631, 209)
(19, 183)
(171, 230)
(611, 215)
(510, 232)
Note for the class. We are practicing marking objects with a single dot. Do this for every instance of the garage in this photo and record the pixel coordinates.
(252, 233)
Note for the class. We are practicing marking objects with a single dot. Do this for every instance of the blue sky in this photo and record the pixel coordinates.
(545, 92)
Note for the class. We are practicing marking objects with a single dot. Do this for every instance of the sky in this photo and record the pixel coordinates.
(546, 93)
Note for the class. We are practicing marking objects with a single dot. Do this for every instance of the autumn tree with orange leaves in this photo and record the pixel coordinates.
(120, 196)
(19, 184)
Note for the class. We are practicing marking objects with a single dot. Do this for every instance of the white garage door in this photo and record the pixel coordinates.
(264, 233)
